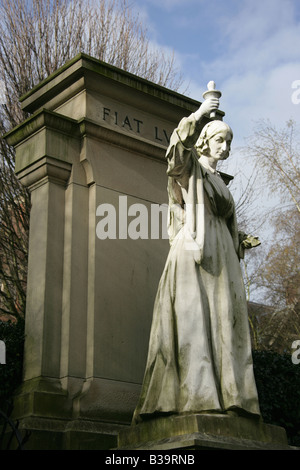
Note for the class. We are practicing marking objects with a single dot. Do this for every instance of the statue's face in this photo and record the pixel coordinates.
(219, 145)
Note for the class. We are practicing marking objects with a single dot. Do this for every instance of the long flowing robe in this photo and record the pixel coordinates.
(199, 357)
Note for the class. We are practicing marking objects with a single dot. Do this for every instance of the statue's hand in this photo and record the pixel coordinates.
(247, 242)
(209, 105)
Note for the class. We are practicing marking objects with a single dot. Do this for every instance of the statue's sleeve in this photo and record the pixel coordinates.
(180, 162)
(180, 148)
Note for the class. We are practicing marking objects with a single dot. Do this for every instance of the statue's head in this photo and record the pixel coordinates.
(215, 140)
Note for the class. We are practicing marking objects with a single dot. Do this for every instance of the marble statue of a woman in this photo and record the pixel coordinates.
(199, 357)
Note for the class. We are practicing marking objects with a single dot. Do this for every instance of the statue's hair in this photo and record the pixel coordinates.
(210, 130)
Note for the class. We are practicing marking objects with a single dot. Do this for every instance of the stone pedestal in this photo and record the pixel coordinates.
(203, 432)
(95, 142)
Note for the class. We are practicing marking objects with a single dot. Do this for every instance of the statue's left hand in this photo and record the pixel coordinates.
(248, 241)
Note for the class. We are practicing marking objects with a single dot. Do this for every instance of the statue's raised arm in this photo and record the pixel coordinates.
(185, 136)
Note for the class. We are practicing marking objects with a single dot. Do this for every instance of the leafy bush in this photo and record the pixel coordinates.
(11, 373)
(278, 386)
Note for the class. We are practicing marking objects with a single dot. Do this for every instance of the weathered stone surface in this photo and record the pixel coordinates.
(199, 355)
(203, 431)
(96, 134)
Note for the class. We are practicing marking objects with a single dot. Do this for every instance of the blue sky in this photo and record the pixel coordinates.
(250, 48)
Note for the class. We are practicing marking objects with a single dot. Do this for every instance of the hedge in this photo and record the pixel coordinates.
(278, 386)
(11, 373)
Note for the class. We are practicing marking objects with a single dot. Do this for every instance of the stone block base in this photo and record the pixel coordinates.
(73, 417)
(59, 434)
(203, 431)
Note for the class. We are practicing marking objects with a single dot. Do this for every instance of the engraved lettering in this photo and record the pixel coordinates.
(106, 112)
(138, 122)
(126, 122)
(166, 136)
(156, 134)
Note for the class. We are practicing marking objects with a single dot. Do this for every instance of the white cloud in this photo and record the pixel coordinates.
(250, 48)
(257, 65)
